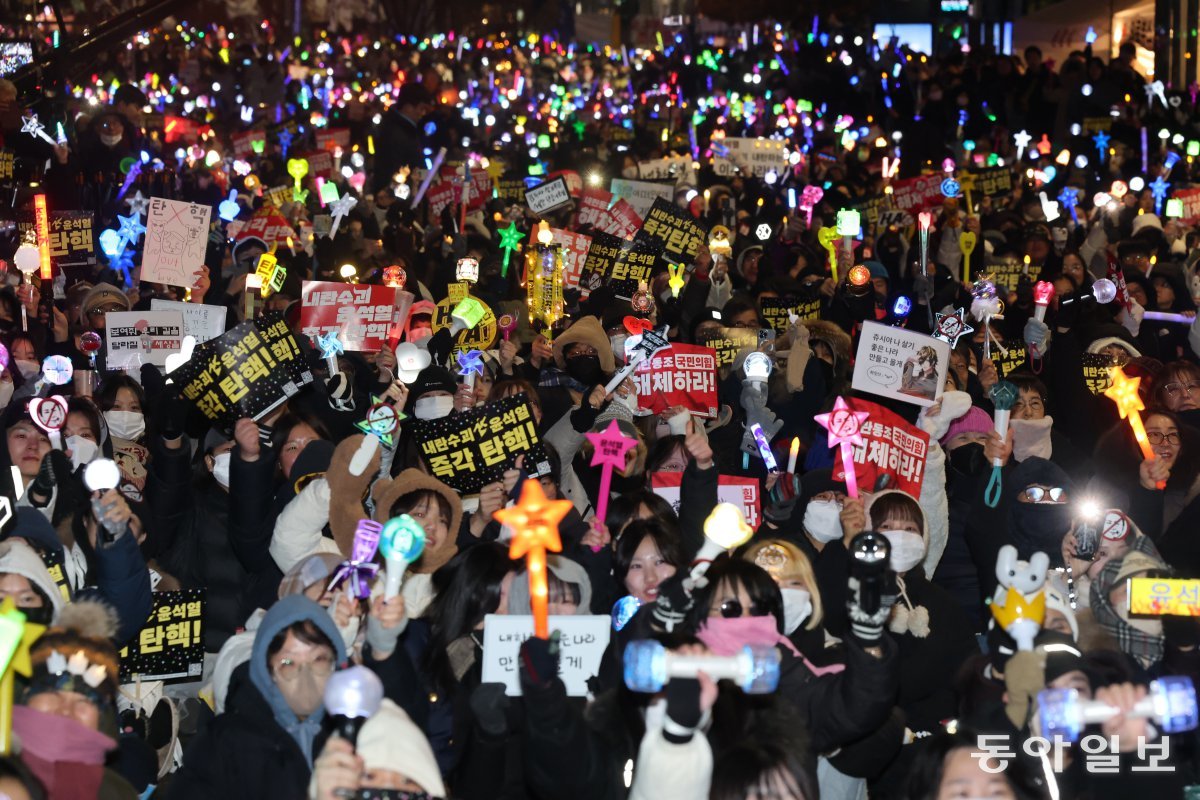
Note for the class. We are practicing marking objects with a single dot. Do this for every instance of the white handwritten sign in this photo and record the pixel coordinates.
(548, 195)
(199, 320)
(901, 364)
(176, 238)
(142, 337)
(583, 641)
(755, 157)
(641, 194)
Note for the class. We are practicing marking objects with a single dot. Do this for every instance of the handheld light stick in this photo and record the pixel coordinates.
(1103, 290)
(41, 217)
(352, 696)
(358, 570)
(1167, 316)
(924, 222)
(966, 243)
(1171, 704)
(331, 348)
(470, 364)
(27, 259)
(724, 529)
(1124, 392)
(652, 341)
(401, 543)
(297, 168)
(534, 521)
(810, 196)
(16, 635)
(986, 306)
(649, 667)
(870, 553)
(467, 270)
(56, 371)
(101, 475)
(610, 445)
(849, 226)
(466, 315)
(433, 170)
(828, 238)
(845, 429)
(676, 280)
(36, 129)
(764, 448)
(1004, 394)
(50, 414)
(340, 208)
(623, 611)
(793, 455)
(510, 240)
(507, 324)
(859, 280)
(1043, 293)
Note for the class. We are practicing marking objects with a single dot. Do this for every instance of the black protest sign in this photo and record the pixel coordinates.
(1013, 357)
(776, 311)
(510, 189)
(72, 240)
(619, 263)
(674, 229)
(246, 372)
(992, 181)
(467, 451)
(1097, 372)
(728, 342)
(1006, 273)
(170, 646)
(6, 166)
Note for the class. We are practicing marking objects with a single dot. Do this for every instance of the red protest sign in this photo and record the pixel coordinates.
(917, 194)
(574, 253)
(684, 375)
(266, 224)
(361, 314)
(892, 455)
(448, 190)
(320, 165)
(1191, 205)
(243, 142)
(741, 491)
(333, 138)
(601, 210)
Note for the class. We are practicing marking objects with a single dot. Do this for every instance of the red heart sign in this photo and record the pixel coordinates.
(637, 325)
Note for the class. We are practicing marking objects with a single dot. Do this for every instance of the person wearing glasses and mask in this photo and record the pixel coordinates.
(1177, 388)
(265, 742)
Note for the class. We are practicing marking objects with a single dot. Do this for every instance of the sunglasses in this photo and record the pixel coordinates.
(732, 609)
(1039, 494)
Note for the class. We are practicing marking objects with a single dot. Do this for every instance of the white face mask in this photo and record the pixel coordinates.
(28, 369)
(630, 401)
(618, 346)
(1031, 437)
(6, 393)
(82, 450)
(111, 141)
(128, 425)
(908, 549)
(433, 407)
(220, 469)
(797, 607)
(822, 520)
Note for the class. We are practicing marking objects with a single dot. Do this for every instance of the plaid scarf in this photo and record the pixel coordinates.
(1144, 647)
(553, 376)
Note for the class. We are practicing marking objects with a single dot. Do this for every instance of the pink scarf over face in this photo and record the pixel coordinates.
(65, 756)
(727, 637)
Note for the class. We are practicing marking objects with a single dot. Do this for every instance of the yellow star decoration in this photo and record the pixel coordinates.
(534, 520)
(1124, 392)
(16, 637)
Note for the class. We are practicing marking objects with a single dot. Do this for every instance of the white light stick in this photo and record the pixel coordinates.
(340, 208)
(401, 543)
(36, 129)
(1167, 316)
(652, 341)
(100, 476)
(437, 163)
(27, 260)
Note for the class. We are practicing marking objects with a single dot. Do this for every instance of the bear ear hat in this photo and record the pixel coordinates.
(354, 465)
(385, 493)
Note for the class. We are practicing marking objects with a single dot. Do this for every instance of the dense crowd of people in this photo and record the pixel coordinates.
(1033, 219)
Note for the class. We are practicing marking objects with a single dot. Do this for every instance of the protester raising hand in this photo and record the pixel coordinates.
(996, 447)
(696, 443)
(854, 518)
(1151, 471)
(245, 433)
(337, 769)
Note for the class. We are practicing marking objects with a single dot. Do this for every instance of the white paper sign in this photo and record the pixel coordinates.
(642, 194)
(134, 338)
(901, 364)
(754, 157)
(548, 195)
(176, 239)
(203, 322)
(583, 641)
(742, 492)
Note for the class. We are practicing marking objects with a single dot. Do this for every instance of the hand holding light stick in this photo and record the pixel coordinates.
(470, 364)
(507, 324)
(651, 342)
(1167, 316)
(534, 521)
(1004, 395)
(1043, 293)
(401, 542)
(610, 445)
(1124, 392)
(845, 429)
(793, 455)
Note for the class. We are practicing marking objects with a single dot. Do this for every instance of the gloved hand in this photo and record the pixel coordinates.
(683, 709)
(490, 705)
(1024, 677)
(341, 392)
(42, 486)
(539, 658)
(865, 627)
(1037, 337)
(381, 639)
(672, 604)
(173, 414)
(1131, 319)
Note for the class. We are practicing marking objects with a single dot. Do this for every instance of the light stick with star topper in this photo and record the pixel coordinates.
(1124, 392)
(845, 430)
(534, 521)
(36, 129)
(651, 342)
(17, 635)
(1101, 141)
(381, 421)
(1021, 139)
(340, 208)
(510, 240)
(611, 446)
(1158, 188)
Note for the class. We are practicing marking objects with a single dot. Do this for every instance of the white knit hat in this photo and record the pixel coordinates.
(390, 740)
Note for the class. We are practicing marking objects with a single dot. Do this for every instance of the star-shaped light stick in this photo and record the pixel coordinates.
(16, 637)
(1101, 141)
(470, 364)
(1021, 139)
(845, 429)
(651, 342)
(510, 240)
(534, 521)
(1158, 188)
(340, 208)
(138, 204)
(36, 129)
(1124, 392)
(611, 446)
(950, 327)
(381, 421)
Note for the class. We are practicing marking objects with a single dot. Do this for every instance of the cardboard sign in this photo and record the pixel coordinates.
(901, 364)
(170, 646)
(1006, 273)
(583, 641)
(1013, 359)
(776, 311)
(243, 142)
(683, 375)
(6, 166)
(619, 263)
(1097, 372)
(467, 451)
(176, 240)
(917, 194)
(332, 138)
(278, 196)
(892, 455)
(889, 219)
(607, 213)
(743, 492)
(728, 342)
(201, 321)
(1159, 596)
(320, 165)
(134, 338)
(548, 196)
(448, 190)
(1191, 204)
(362, 314)
(756, 157)
(267, 224)
(248, 371)
(481, 336)
(992, 181)
(575, 248)
(642, 194)
(678, 233)
(671, 168)
(72, 239)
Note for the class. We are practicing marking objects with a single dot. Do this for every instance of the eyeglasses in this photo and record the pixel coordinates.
(107, 308)
(1033, 404)
(1158, 438)
(288, 670)
(732, 609)
(1173, 389)
(1040, 494)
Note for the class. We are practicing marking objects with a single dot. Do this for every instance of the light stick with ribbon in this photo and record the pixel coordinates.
(401, 543)
(610, 448)
(534, 521)
(359, 569)
(1124, 392)
(985, 307)
(1004, 394)
(844, 425)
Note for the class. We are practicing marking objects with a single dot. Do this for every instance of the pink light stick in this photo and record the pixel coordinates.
(611, 446)
(845, 429)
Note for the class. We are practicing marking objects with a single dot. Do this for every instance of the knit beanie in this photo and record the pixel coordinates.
(975, 420)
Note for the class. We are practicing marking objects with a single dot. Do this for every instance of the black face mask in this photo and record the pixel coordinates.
(1040, 526)
(968, 459)
(585, 369)
(39, 616)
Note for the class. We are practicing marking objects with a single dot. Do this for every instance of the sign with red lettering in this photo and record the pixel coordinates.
(682, 375)
(602, 211)
(361, 314)
(741, 491)
(892, 455)
(917, 194)
(574, 254)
